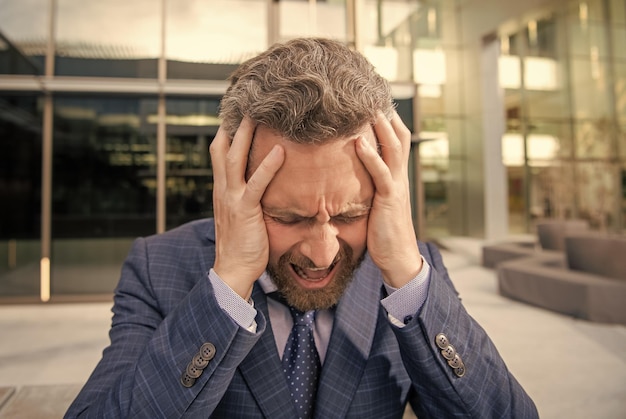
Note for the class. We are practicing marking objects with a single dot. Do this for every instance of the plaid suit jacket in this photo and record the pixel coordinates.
(165, 310)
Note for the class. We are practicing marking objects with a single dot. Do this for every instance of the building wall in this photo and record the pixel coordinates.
(107, 110)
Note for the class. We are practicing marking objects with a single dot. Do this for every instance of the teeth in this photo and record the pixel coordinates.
(300, 272)
(303, 274)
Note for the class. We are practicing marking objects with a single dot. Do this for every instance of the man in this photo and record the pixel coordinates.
(312, 217)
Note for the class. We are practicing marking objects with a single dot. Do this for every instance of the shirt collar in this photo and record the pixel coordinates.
(266, 283)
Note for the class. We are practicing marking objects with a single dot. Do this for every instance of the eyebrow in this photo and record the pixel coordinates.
(351, 210)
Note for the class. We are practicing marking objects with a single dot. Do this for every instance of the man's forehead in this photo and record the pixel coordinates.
(264, 138)
(263, 133)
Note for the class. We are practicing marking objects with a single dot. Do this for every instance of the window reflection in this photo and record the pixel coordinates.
(618, 12)
(103, 190)
(598, 188)
(191, 126)
(104, 167)
(390, 30)
(20, 194)
(303, 18)
(113, 38)
(436, 162)
(23, 36)
(205, 39)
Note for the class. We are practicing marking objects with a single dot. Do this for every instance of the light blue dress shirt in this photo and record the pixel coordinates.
(400, 304)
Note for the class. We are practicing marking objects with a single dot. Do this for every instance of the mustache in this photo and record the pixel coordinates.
(306, 263)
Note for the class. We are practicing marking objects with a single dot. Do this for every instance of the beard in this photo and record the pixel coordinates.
(303, 299)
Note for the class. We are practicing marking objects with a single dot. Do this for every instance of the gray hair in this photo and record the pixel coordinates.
(308, 90)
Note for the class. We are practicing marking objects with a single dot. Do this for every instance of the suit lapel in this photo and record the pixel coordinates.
(263, 372)
(350, 343)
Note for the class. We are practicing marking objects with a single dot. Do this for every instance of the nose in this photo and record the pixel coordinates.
(321, 244)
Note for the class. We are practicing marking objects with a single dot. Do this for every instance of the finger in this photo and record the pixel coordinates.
(390, 145)
(237, 156)
(218, 150)
(375, 165)
(263, 175)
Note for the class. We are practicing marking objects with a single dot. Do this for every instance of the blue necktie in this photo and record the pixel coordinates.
(301, 362)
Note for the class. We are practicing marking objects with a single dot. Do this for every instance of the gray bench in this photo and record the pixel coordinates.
(588, 281)
(550, 240)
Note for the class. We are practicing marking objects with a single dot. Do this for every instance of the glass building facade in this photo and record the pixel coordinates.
(107, 110)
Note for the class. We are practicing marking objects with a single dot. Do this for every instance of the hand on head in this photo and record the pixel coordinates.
(242, 243)
(242, 247)
(391, 240)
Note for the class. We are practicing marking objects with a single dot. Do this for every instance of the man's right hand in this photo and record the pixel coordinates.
(242, 245)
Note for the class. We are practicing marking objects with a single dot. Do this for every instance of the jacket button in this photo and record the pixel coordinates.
(460, 371)
(455, 362)
(199, 362)
(442, 341)
(186, 380)
(449, 352)
(207, 351)
(192, 371)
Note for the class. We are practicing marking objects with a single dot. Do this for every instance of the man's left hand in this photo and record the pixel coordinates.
(391, 239)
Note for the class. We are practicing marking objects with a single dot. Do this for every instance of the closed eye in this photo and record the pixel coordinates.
(288, 220)
(345, 219)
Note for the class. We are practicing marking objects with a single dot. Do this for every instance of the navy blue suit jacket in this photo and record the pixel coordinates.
(165, 310)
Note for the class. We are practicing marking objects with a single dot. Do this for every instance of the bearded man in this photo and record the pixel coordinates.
(308, 294)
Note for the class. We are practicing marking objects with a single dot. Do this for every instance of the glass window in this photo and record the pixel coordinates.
(23, 36)
(551, 190)
(113, 38)
(20, 194)
(587, 38)
(541, 37)
(594, 139)
(386, 34)
(621, 143)
(589, 88)
(619, 42)
(191, 126)
(548, 141)
(104, 188)
(302, 18)
(440, 156)
(618, 11)
(205, 39)
(586, 10)
(623, 195)
(548, 103)
(598, 188)
(620, 91)
(543, 73)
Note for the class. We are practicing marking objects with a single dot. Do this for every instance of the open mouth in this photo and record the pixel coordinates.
(313, 274)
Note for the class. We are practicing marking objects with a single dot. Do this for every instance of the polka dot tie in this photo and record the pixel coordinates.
(301, 363)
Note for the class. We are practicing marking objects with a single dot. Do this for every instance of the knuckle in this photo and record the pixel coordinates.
(404, 132)
(230, 158)
(213, 148)
(253, 185)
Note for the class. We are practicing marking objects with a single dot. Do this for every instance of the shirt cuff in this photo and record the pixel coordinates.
(240, 310)
(403, 303)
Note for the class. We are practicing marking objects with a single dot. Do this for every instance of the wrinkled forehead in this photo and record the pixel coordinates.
(265, 138)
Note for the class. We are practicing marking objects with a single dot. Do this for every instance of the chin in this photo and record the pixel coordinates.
(306, 294)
